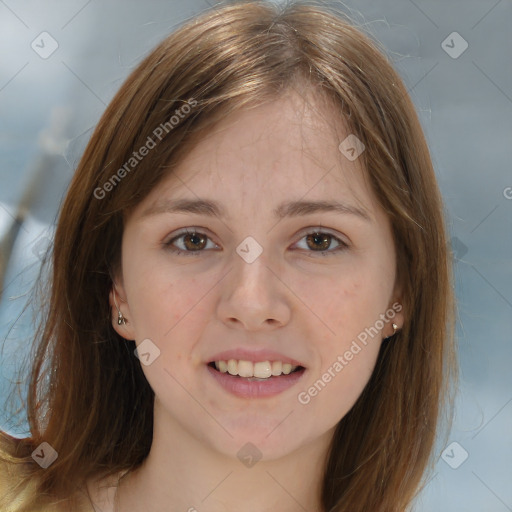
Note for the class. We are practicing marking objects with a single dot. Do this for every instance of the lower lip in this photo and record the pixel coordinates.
(245, 388)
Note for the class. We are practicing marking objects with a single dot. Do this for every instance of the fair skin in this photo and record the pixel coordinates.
(291, 299)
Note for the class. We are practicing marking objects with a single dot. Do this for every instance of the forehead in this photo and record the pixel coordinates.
(284, 149)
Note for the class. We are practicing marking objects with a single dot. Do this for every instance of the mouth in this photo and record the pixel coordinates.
(255, 371)
(248, 379)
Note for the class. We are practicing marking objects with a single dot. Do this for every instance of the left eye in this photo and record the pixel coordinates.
(193, 242)
(323, 241)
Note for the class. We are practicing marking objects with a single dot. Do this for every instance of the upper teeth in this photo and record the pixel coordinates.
(260, 370)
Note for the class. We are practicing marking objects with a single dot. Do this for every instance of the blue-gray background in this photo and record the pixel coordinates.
(49, 106)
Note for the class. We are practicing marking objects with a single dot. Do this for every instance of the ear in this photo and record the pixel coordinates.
(117, 295)
(395, 313)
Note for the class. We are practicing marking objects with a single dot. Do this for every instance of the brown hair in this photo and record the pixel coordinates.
(96, 407)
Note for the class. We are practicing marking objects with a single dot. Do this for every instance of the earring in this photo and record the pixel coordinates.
(121, 320)
(395, 328)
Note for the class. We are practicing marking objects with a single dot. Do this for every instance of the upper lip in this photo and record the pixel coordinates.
(245, 354)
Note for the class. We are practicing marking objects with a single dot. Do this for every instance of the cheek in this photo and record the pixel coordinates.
(345, 302)
(172, 312)
(165, 299)
(349, 304)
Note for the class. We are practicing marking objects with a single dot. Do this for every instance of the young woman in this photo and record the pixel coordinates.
(251, 299)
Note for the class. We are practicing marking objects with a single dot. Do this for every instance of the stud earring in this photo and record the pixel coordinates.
(121, 320)
(395, 328)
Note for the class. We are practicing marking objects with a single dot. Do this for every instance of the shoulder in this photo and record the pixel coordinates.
(102, 491)
(11, 473)
(18, 489)
(14, 487)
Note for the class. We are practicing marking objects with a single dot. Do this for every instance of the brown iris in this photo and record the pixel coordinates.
(319, 238)
(197, 241)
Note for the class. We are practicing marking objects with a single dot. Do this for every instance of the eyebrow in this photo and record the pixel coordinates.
(287, 209)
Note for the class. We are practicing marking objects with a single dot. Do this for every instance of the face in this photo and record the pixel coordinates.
(263, 273)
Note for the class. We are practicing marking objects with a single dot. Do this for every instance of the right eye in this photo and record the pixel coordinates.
(191, 243)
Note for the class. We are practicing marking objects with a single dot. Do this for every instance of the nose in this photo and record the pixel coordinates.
(254, 298)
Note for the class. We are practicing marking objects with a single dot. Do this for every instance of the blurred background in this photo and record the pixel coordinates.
(62, 62)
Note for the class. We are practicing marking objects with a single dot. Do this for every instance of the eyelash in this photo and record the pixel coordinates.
(169, 245)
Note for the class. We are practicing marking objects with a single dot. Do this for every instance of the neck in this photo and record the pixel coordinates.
(181, 473)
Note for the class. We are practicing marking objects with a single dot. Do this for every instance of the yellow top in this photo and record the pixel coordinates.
(14, 498)
(10, 476)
